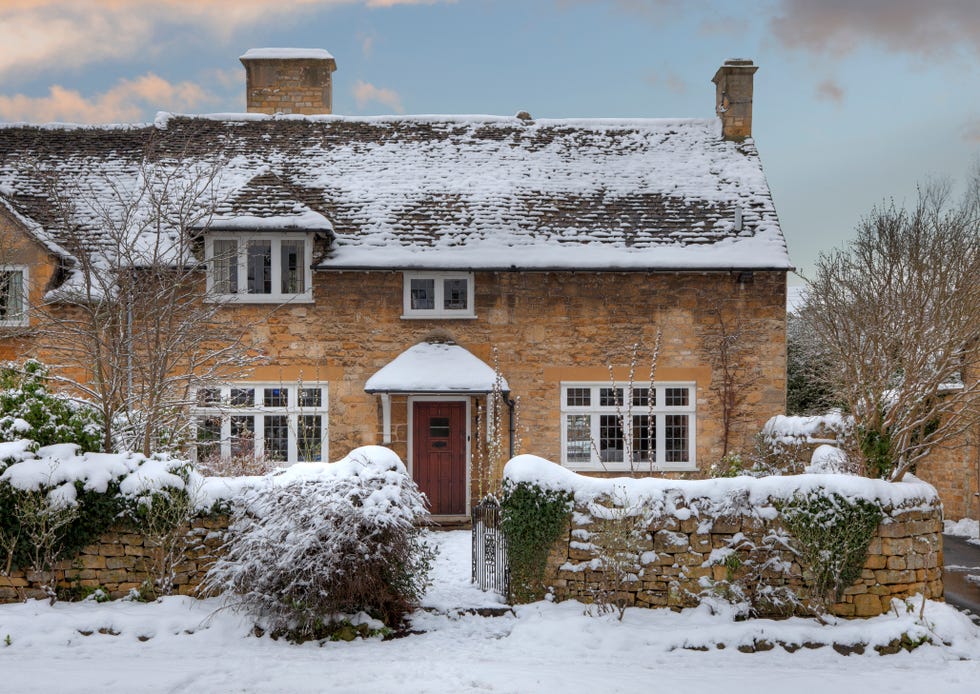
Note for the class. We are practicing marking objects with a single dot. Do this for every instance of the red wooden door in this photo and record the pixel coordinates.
(439, 455)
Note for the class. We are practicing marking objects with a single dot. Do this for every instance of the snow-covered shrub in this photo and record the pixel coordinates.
(786, 444)
(29, 410)
(324, 540)
(70, 499)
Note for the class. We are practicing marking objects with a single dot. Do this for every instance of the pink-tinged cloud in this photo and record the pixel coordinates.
(366, 93)
(971, 132)
(925, 27)
(125, 102)
(40, 34)
(666, 79)
(828, 89)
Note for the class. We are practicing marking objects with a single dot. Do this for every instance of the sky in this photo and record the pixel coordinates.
(856, 102)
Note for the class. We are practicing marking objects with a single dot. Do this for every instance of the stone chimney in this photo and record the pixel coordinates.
(733, 98)
(288, 80)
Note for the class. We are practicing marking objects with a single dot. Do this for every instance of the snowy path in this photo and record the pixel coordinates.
(544, 648)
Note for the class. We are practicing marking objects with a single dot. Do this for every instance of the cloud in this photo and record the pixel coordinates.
(934, 28)
(367, 44)
(971, 132)
(667, 79)
(41, 34)
(125, 102)
(365, 92)
(830, 89)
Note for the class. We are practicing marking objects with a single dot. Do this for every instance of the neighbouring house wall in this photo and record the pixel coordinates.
(954, 470)
(904, 558)
(17, 247)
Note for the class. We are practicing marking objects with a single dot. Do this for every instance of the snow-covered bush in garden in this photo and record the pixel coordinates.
(55, 500)
(324, 540)
(29, 410)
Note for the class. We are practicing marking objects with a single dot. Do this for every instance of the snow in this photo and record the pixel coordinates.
(286, 54)
(965, 527)
(715, 495)
(828, 459)
(431, 367)
(56, 469)
(190, 645)
(789, 429)
(303, 218)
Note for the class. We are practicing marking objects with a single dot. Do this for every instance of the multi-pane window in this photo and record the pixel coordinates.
(438, 295)
(13, 295)
(264, 267)
(615, 427)
(275, 423)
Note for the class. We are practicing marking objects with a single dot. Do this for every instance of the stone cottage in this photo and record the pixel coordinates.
(384, 261)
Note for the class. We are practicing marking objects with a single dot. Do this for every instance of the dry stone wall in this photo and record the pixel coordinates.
(687, 557)
(120, 562)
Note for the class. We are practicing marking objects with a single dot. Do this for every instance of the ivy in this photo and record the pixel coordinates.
(532, 521)
(832, 535)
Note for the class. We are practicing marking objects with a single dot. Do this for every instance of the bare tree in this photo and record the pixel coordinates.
(133, 329)
(898, 311)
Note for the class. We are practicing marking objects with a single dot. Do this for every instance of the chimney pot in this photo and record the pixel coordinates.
(288, 80)
(733, 98)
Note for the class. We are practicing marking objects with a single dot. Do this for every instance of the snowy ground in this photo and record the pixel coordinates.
(178, 644)
(967, 528)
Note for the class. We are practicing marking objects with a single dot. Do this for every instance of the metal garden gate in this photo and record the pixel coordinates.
(489, 547)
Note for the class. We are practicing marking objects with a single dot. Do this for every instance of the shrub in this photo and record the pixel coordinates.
(28, 410)
(54, 502)
(303, 552)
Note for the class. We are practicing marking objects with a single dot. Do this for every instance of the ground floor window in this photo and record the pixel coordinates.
(614, 426)
(272, 423)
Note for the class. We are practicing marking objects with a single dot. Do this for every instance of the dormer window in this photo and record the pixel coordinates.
(260, 268)
(438, 295)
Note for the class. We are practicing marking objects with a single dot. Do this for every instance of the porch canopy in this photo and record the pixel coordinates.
(432, 368)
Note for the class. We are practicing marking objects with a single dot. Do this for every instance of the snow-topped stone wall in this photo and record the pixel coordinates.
(701, 538)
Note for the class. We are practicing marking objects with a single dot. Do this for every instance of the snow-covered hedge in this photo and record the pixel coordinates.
(320, 541)
(54, 500)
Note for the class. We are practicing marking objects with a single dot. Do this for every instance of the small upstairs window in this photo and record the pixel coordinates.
(13, 295)
(438, 295)
(260, 268)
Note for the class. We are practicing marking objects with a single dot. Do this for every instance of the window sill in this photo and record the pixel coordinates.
(439, 316)
(260, 299)
(636, 467)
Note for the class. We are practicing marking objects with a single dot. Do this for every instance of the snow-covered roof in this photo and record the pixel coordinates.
(286, 54)
(413, 192)
(434, 367)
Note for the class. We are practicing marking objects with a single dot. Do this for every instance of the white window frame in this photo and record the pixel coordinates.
(24, 290)
(659, 411)
(276, 296)
(226, 410)
(409, 313)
